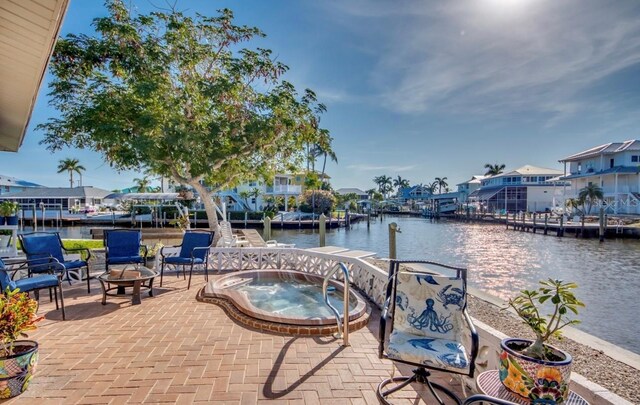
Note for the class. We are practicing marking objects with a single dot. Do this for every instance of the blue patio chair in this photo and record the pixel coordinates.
(123, 246)
(194, 250)
(36, 283)
(40, 247)
(429, 326)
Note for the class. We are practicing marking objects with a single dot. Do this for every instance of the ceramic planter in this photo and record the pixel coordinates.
(11, 220)
(531, 378)
(17, 370)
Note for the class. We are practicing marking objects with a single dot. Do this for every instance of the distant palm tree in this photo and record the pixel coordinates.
(441, 183)
(142, 184)
(590, 195)
(493, 170)
(385, 184)
(70, 165)
(400, 183)
(431, 188)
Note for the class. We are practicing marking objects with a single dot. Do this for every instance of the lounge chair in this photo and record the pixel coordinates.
(228, 239)
(194, 250)
(40, 247)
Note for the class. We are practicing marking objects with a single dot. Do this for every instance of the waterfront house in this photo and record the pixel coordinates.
(14, 185)
(467, 187)
(60, 198)
(615, 167)
(528, 188)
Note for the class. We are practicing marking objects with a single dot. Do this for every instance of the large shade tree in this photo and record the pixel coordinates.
(179, 96)
(70, 165)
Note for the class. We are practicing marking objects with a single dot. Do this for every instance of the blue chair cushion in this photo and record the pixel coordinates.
(122, 243)
(125, 259)
(182, 260)
(192, 240)
(35, 283)
(440, 353)
(5, 279)
(42, 245)
(75, 264)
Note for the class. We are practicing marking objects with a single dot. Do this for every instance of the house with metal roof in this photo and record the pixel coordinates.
(64, 198)
(14, 185)
(528, 188)
(614, 167)
(467, 187)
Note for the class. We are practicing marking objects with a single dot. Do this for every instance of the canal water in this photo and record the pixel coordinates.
(501, 262)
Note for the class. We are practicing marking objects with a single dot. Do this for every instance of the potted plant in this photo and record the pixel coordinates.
(18, 358)
(534, 369)
(9, 212)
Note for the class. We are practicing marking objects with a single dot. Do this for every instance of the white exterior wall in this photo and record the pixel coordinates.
(543, 197)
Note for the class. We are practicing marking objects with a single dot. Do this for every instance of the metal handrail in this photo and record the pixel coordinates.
(345, 315)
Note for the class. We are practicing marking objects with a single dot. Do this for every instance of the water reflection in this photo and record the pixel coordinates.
(501, 262)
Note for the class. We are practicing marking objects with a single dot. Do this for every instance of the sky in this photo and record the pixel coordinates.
(422, 89)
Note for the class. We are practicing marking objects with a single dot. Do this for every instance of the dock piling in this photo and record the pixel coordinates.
(322, 229)
(393, 229)
(602, 224)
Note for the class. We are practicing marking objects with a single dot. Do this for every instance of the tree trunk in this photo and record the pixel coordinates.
(209, 205)
(70, 179)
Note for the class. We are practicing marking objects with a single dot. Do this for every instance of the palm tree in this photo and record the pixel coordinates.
(493, 170)
(590, 195)
(385, 184)
(400, 183)
(441, 182)
(70, 165)
(142, 184)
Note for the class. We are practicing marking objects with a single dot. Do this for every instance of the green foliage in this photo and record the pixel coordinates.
(178, 96)
(70, 165)
(181, 221)
(528, 307)
(494, 169)
(385, 184)
(589, 195)
(17, 316)
(9, 208)
(320, 201)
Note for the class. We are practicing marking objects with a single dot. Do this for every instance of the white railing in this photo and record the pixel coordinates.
(284, 189)
(366, 277)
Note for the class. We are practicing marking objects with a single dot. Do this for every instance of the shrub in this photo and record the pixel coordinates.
(17, 316)
(323, 201)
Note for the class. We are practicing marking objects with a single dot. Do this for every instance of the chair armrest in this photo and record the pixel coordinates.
(163, 247)
(86, 250)
(52, 264)
(475, 341)
(198, 248)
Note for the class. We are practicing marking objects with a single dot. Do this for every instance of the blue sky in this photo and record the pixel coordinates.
(424, 88)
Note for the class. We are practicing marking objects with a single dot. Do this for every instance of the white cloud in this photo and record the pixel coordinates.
(532, 56)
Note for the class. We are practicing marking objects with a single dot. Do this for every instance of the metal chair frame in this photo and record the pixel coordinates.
(50, 256)
(191, 263)
(420, 374)
(29, 265)
(142, 247)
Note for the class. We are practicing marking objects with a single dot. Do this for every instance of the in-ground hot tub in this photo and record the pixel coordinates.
(287, 300)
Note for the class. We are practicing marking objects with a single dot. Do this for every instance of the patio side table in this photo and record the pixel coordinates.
(489, 384)
(121, 278)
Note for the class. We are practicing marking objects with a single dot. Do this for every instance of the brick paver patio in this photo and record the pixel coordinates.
(174, 349)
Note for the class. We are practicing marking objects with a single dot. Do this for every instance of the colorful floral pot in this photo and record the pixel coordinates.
(17, 370)
(531, 378)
